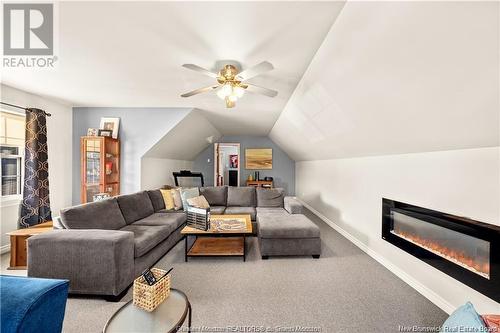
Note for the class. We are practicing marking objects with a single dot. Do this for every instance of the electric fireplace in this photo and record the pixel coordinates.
(465, 249)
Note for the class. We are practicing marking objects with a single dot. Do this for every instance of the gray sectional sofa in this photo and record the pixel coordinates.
(101, 247)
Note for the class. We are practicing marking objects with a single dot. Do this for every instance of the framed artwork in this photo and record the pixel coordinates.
(110, 124)
(233, 161)
(92, 132)
(259, 158)
(103, 132)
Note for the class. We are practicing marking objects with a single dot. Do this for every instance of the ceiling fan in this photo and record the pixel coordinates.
(231, 84)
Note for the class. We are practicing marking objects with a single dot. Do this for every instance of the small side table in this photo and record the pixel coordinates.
(169, 316)
(18, 253)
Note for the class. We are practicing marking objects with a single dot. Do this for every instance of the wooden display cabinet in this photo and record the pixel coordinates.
(100, 166)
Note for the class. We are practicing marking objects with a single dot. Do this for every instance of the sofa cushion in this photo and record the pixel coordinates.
(135, 206)
(287, 226)
(174, 220)
(188, 193)
(216, 196)
(217, 210)
(168, 199)
(105, 214)
(293, 205)
(147, 237)
(241, 211)
(464, 319)
(176, 197)
(157, 200)
(270, 197)
(492, 322)
(269, 210)
(241, 196)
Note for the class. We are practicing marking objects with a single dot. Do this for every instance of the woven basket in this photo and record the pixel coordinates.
(149, 297)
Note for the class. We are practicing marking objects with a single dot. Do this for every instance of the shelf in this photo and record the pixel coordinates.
(217, 246)
(93, 151)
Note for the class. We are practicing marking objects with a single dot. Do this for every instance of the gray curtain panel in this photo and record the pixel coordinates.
(35, 207)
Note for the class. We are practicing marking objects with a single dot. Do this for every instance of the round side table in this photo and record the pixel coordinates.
(169, 316)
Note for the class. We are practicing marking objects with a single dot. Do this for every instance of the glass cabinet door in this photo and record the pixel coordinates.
(100, 168)
(92, 168)
(93, 162)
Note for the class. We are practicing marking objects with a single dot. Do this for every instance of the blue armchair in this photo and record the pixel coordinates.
(32, 305)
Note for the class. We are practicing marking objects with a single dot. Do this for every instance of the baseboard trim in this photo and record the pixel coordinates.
(412, 282)
(4, 249)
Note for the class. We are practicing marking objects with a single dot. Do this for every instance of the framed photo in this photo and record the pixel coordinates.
(259, 159)
(103, 132)
(233, 161)
(110, 124)
(92, 132)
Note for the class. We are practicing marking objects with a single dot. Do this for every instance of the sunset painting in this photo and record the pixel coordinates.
(259, 159)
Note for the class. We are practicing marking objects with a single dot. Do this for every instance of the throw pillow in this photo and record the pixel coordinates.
(492, 322)
(464, 319)
(198, 202)
(176, 195)
(169, 200)
(188, 193)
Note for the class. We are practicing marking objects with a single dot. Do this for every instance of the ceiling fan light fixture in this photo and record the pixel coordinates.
(225, 91)
(229, 103)
(231, 83)
(221, 94)
(228, 89)
(239, 91)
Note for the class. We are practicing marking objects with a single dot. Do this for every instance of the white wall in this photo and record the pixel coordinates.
(349, 193)
(59, 136)
(140, 129)
(156, 172)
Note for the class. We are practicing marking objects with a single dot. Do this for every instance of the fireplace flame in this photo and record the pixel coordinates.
(458, 257)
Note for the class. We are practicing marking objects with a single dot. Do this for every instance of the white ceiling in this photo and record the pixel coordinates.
(398, 77)
(130, 54)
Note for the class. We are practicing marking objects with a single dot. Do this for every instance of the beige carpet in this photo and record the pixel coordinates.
(344, 291)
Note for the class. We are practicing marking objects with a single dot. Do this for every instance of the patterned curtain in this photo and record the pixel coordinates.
(35, 207)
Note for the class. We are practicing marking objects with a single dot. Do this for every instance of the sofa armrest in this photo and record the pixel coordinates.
(94, 261)
(293, 206)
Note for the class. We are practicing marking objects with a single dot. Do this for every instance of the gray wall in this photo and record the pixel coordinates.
(140, 129)
(283, 170)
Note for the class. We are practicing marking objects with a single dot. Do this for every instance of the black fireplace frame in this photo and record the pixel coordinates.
(488, 232)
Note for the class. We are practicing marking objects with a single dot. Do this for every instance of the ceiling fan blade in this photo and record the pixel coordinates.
(200, 70)
(259, 90)
(251, 72)
(199, 91)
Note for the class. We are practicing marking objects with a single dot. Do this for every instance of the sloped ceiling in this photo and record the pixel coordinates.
(186, 140)
(398, 77)
(129, 54)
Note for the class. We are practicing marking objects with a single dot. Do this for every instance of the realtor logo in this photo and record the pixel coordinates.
(28, 29)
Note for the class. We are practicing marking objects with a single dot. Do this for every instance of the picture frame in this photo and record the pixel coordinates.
(110, 124)
(233, 161)
(259, 158)
(92, 132)
(106, 133)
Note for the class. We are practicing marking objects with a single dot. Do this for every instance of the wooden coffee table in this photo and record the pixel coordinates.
(219, 243)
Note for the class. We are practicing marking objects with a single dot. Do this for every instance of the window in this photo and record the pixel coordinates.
(11, 152)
